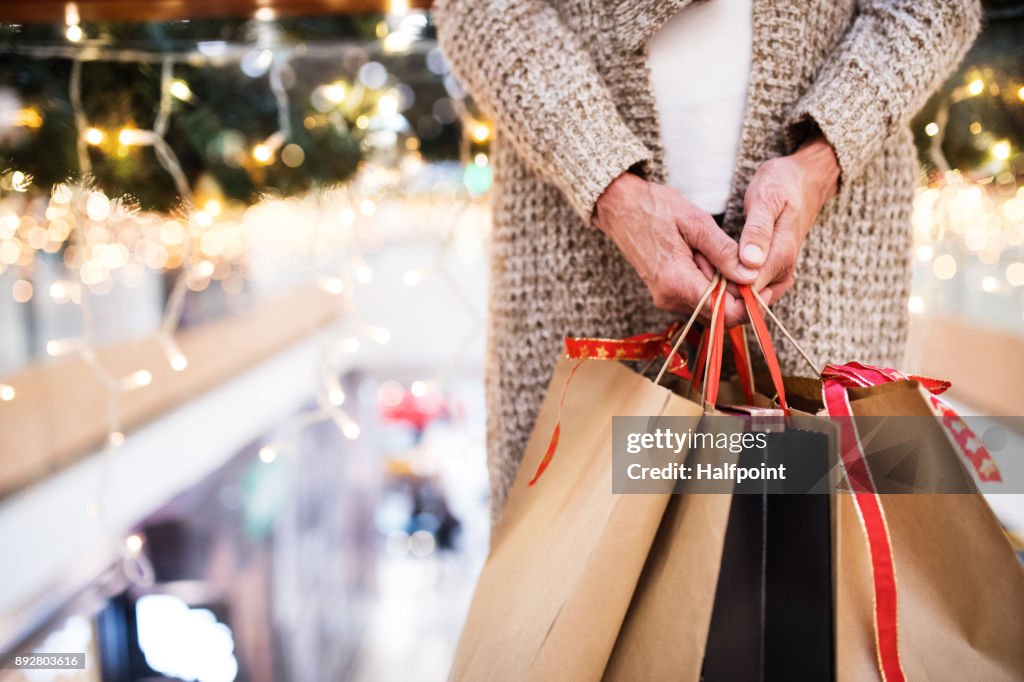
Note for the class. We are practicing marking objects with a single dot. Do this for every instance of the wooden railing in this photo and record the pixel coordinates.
(60, 411)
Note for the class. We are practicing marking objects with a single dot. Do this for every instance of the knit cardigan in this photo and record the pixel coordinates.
(568, 87)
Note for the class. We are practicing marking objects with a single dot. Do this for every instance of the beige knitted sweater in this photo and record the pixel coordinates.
(567, 84)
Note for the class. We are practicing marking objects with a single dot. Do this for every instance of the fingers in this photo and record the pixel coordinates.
(781, 260)
(763, 210)
(703, 234)
(705, 266)
(774, 291)
(735, 312)
(680, 286)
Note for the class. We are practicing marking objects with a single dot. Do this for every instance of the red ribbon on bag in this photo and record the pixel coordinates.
(836, 379)
(641, 347)
(855, 374)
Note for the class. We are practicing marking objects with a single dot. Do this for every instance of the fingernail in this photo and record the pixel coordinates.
(752, 253)
(745, 273)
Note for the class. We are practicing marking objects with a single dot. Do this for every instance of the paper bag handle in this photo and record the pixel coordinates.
(754, 304)
(764, 341)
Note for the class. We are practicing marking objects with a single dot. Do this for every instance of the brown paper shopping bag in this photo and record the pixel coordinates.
(666, 629)
(567, 553)
(959, 585)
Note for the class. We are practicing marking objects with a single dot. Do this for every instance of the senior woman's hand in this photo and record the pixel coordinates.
(658, 231)
(782, 202)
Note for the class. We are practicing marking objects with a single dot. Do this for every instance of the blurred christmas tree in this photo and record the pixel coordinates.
(224, 108)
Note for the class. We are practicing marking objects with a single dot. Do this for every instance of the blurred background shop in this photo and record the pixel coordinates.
(241, 406)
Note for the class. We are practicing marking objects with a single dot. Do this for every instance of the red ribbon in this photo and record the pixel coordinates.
(855, 374)
(640, 347)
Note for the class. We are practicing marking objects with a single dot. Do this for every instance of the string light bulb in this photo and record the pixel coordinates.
(71, 15)
(387, 105)
(412, 278)
(180, 90)
(74, 33)
(133, 543)
(335, 394)
(975, 87)
(136, 380)
(346, 424)
(94, 136)
(7, 392)
(262, 154)
(335, 92)
(58, 347)
(481, 132)
(1014, 276)
(132, 136)
(381, 335)
(175, 358)
(364, 273)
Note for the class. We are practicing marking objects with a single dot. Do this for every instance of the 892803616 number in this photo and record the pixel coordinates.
(47, 661)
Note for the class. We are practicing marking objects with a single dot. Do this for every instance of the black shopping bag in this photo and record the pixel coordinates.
(772, 616)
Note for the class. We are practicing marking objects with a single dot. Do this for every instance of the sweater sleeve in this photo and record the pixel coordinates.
(530, 74)
(894, 55)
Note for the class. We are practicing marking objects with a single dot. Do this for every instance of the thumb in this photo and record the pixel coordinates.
(756, 237)
(706, 237)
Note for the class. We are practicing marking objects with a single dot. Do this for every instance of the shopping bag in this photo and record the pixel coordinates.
(926, 585)
(773, 600)
(764, 558)
(958, 586)
(567, 553)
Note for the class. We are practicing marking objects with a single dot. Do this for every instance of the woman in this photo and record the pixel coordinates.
(819, 170)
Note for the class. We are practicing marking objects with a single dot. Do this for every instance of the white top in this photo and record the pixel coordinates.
(700, 67)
